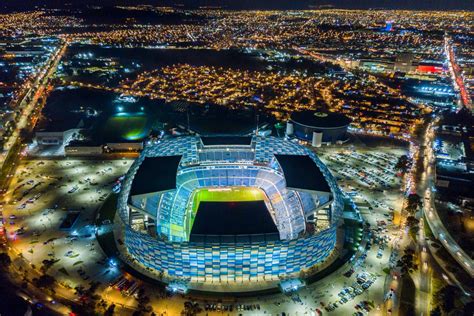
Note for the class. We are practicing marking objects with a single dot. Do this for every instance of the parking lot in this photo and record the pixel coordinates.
(369, 178)
(49, 213)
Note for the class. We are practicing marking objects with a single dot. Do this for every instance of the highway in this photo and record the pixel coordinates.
(421, 276)
(424, 274)
(445, 237)
(424, 188)
(456, 74)
(37, 90)
(430, 211)
(431, 214)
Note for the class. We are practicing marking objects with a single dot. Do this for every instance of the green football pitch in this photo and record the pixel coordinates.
(227, 194)
(127, 126)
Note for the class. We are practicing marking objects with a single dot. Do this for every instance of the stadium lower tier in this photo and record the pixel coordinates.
(226, 263)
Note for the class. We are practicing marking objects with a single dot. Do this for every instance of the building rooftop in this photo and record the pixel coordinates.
(320, 119)
(55, 124)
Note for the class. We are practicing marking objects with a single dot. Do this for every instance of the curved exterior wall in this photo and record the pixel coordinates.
(231, 262)
(216, 262)
(330, 134)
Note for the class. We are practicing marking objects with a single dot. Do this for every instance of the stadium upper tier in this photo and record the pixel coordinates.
(162, 181)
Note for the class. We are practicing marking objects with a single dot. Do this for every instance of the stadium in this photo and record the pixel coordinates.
(228, 213)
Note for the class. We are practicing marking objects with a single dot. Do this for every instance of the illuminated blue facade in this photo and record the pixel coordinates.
(236, 259)
(216, 262)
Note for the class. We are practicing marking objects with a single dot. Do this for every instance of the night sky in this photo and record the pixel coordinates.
(260, 4)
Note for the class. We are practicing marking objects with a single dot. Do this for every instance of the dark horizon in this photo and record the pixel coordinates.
(254, 4)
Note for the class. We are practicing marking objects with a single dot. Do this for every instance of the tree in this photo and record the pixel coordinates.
(110, 310)
(45, 281)
(412, 221)
(83, 309)
(79, 290)
(446, 296)
(413, 231)
(406, 262)
(5, 260)
(403, 163)
(469, 309)
(413, 202)
(436, 312)
(47, 263)
(88, 300)
(143, 300)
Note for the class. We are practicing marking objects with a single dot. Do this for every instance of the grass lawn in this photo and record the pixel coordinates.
(436, 285)
(427, 229)
(413, 232)
(231, 194)
(407, 299)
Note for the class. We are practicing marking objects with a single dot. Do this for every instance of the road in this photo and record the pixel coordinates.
(431, 213)
(37, 89)
(422, 276)
(423, 186)
(456, 74)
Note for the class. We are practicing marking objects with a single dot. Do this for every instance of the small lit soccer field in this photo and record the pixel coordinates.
(128, 126)
(224, 194)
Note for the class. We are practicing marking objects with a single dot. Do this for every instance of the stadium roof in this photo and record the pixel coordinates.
(233, 218)
(301, 172)
(156, 174)
(226, 140)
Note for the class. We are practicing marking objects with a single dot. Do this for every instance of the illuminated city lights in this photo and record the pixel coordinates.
(175, 160)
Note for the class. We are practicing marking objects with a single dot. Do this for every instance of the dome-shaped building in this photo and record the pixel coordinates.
(318, 127)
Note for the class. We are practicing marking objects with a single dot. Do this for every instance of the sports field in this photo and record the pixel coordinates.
(224, 194)
(227, 194)
(127, 126)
